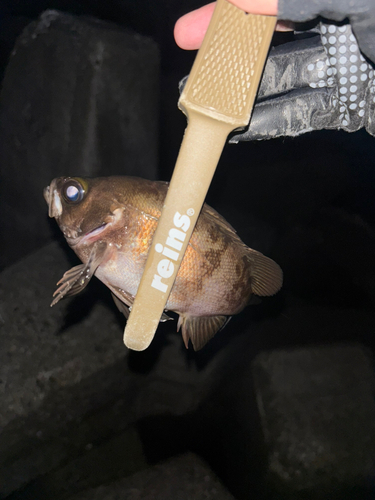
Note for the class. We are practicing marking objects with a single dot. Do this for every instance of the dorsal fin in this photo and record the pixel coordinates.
(211, 215)
(200, 329)
(266, 275)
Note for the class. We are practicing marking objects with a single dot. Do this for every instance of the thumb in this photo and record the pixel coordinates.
(190, 29)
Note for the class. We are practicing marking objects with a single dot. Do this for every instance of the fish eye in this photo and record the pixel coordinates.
(73, 191)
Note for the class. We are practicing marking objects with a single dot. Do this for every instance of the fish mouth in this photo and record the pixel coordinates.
(94, 234)
(88, 238)
(46, 194)
(53, 200)
(97, 233)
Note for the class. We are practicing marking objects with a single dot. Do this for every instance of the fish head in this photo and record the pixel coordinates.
(84, 208)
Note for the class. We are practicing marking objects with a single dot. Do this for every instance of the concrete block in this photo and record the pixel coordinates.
(79, 97)
(66, 380)
(318, 416)
(185, 477)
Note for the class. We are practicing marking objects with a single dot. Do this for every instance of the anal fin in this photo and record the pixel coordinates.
(125, 300)
(200, 329)
(121, 306)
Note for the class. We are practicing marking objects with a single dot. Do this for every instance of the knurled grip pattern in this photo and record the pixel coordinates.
(226, 73)
(218, 98)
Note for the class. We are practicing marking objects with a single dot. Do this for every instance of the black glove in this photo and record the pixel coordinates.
(321, 82)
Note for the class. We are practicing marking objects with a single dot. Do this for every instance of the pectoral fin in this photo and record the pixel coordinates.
(200, 329)
(124, 302)
(77, 278)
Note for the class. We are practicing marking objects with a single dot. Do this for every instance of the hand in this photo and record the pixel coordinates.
(190, 29)
(321, 82)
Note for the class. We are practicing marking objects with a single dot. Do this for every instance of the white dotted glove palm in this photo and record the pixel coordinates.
(321, 82)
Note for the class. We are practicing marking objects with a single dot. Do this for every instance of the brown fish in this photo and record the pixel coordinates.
(110, 221)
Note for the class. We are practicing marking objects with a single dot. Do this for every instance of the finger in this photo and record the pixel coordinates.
(265, 7)
(293, 114)
(295, 65)
(190, 29)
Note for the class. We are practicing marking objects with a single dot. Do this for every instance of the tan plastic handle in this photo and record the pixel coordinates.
(218, 98)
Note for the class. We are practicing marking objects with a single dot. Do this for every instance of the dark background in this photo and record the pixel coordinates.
(307, 202)
(344, 160)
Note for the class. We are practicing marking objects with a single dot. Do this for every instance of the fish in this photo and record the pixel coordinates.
(109, 222)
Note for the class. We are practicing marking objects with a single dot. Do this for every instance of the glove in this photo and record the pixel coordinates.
(322, 82)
